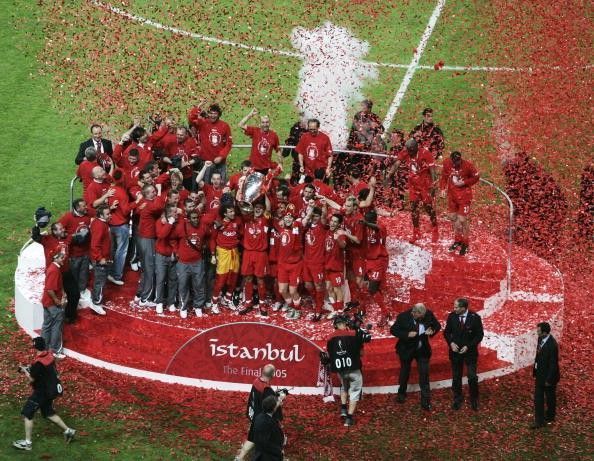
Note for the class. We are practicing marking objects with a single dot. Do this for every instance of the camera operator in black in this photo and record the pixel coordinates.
(40, 375)
(413, 328)
(261, 389)
(344, 350)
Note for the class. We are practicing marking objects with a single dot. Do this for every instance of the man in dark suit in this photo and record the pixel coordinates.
(413, 328)
(103, 147)
(463, 333)
(546, 375)
(268, 435)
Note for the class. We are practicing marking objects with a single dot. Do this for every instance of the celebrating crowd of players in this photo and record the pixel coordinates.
(162, 201)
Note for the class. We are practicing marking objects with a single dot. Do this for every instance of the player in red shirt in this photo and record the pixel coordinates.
(100, 254)
(264, 141)
(52, 301)
(314, 150)
(254, 260)
(313, 253)
(224, 246)
(213, 191)
(235, 182)
(356, 184)
(273, 245)
(355, 252)
(422, 180)
(215, 137)
(290, 263)
(458, 177)
(335, 243)
(376, 262)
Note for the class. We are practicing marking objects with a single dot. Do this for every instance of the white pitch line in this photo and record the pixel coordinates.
(293, 54)
(413, 66)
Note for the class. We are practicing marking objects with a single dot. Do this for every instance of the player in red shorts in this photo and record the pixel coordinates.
(334, 247)
(376, 262)
(290, 262)
(254, 261)
(313, 253)
(422, 179)
(355, 254)
(458, 177)
(273, 244)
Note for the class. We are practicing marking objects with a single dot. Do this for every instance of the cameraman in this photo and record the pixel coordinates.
(344, 350)
(261, 389)
(39, 375)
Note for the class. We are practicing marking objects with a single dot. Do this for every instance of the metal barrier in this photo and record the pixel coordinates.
(494, 186)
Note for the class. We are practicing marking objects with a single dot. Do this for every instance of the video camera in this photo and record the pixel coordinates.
(355, 323)
(42, 217)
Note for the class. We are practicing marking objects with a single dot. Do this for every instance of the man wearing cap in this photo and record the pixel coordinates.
(344, 350)
(38, 376)
(457, 177)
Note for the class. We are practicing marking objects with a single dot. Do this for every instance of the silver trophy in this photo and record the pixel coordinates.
(249, 191)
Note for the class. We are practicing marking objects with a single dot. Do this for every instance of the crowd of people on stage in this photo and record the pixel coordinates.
(161, 201)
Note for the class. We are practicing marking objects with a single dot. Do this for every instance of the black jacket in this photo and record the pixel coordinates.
(344, 349)
(268, 438)
(470, 335)
(406, 347)
(546, 363)
(107, 148)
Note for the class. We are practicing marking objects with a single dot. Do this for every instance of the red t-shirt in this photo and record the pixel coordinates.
(213, 199)
(313, 252)
(121, 214)
(226, 234)
(263, 143)
(94, 191)
(255, 233)
(53, 281)
(191, 241)
(355, 189)
(352, 223)
(290, 248)
(274, 242)
(375, 243)
(85, 172)
(315, 150)
(100, 240)
(148, 211)
(334, 253)
(215, 138)
(165, 244)
(419, 176)
(75, 224)
(52, 245)
(186, 150)
(467, 173)
(233, 182)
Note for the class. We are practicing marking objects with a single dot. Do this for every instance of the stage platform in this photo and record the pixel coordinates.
(139, 342)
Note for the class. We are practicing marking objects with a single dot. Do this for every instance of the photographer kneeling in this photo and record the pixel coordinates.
(46, 386)
(344, 356)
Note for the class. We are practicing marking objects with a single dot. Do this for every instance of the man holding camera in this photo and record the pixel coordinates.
(344, 351)
(413, 328)
(42, 376)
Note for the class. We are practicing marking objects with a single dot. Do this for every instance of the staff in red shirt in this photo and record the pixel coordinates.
(264, 141)
(165, 246)
(100, 255)
(422, 180)
(376, 262)
(119, 228)
(52, 300)
(314, 150)
(290, 263)
(458, 176)
(84, 172)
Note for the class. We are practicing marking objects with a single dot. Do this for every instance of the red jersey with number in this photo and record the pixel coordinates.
(419, 167)
(333, 252)
(255, 233)
(75, 224)
(316, 150)
(467, 174)
(290, 248)
(53, 281)
(215, 138)
(263, 143)
(226, 234)
(375, 242)
(313, 251)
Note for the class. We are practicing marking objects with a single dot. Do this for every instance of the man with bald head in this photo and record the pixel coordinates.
(264, 141)
(99, 190)
(260, 390)
(413, 328)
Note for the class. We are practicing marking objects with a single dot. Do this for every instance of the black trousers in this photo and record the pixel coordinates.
(544, 394)
(458, 361)
(423, 366)
(70, 285)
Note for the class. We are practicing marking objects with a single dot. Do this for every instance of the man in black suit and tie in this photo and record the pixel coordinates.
(546, 375)
(268, 435)
(463, 333)
(413, 328)
(103, 147)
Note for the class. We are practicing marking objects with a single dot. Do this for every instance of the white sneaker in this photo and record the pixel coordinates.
(327, 306)
(215, 309)
(172, 308)
(208, 305)
(276, 306)
(23, 445)
(69, 434)
(285, 307)
(86, 294)
(134, 267)
(146, 303)
(159, 308)
(183, 314)
(136, 299)
(97, 308)
(115, 281)
(198, 312)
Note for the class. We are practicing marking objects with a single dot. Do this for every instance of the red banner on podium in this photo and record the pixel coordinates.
(236, 353)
